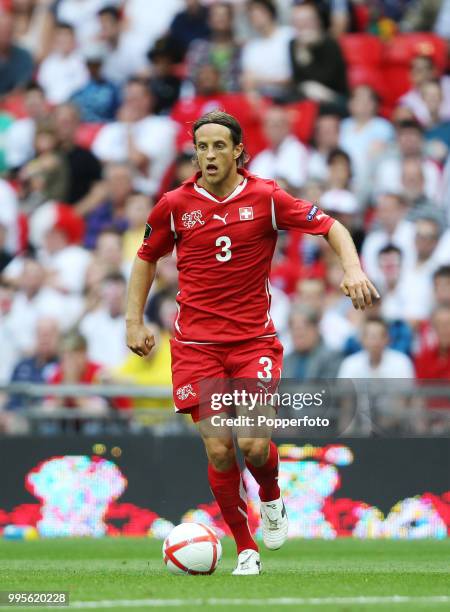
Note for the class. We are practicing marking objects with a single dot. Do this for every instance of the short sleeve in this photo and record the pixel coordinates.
(159, 237)
(292, 213)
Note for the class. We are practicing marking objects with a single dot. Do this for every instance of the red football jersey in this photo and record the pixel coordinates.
(224, 253)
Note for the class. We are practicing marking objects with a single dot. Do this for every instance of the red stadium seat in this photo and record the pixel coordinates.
(86, 134)
(404, 47)
(362, 49)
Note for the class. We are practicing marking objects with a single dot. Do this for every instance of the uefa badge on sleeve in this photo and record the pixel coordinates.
(246, 213)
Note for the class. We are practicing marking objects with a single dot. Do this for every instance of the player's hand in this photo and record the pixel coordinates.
(359, 289)
(139, 339)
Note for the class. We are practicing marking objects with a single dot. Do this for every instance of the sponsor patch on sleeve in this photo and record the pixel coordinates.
(148, 231)
(312, 213)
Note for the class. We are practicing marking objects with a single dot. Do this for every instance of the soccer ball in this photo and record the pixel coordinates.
(192, 548)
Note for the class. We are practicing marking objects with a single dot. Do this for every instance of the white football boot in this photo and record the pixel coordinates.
(248, 563)
(274, 523)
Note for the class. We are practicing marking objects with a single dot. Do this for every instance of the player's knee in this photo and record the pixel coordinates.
(220, 453)
(255, 450)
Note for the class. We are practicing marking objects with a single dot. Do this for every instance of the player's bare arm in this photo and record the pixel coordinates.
(139, 338)
(355, 283)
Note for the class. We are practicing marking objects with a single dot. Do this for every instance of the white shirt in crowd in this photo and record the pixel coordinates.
(70, 266)
(46, 303)
(19, 142)
(125, 60)
(393, 364)
(388, 177)
(106, 338)
(361, 143)
(289, 162)
(154, 136)
(147, 20)
(268, 58)
(61, 76)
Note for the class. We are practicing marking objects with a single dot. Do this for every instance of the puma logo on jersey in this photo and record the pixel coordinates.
(190, 219)
(219, 218)
(312, 213)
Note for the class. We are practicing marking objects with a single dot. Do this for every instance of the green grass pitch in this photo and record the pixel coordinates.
(343, 575)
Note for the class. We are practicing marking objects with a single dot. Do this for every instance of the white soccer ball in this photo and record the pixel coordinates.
(192, 548)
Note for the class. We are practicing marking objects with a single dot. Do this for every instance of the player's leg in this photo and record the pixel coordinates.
(228, 489)
(259, 364)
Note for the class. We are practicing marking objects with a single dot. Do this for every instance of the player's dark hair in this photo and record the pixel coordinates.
(222, 118)
(390, 248)
(442, 272)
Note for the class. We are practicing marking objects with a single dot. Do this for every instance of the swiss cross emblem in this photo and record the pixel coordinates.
(246, 213)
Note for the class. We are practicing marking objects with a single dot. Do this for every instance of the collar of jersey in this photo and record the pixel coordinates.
(205, 193)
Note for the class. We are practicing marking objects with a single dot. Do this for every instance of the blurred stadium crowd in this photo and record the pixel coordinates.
(344, 102)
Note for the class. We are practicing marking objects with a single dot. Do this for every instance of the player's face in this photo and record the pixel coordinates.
(216, 152)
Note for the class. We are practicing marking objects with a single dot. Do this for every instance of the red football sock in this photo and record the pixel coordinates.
(228, 489)
(267, 475)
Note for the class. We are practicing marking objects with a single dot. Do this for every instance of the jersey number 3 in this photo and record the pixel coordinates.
(224, 242)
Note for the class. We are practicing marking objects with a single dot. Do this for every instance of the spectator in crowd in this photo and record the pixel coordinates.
(164, 83)
(436, 128)
(62, 72)
(189, 24)
(11, 350)
(136, 135)
(426, 336)
(376, 360)
(98, 100)
(317, 66)
(104, 328)
(265, 59)
(125, 55)
(391, 227)
(413, 185)
(55, 232)
(422, 71)
(409, 143)
(286, 157)
(364, 135)
(310, 359)
(431, 251)
(19, 139)
(35, 300)
(108, 251)
(108, 202)
(75, 368)
(137, 210)
(16, 64)
(46, 177)
(82, 15)
(220, 48)
(326, 139)
(394, 298)
(84, 168)
(9, 211)
(40, 366)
